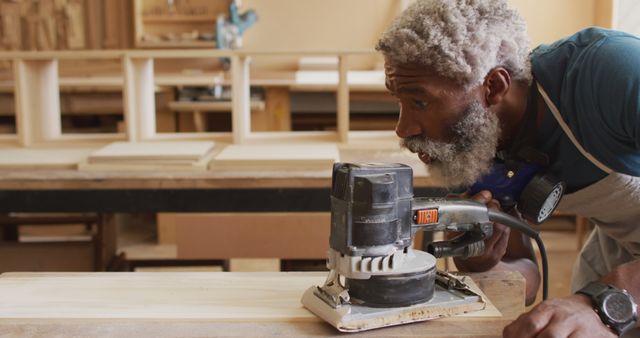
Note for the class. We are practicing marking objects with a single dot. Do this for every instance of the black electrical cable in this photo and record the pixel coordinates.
(510, 221)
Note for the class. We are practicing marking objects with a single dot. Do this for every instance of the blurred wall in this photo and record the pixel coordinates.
(550, 20)
(317, 25)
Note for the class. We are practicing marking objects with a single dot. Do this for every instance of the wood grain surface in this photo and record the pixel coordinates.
(204, 304)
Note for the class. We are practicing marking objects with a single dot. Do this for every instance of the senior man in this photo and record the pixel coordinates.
(469, 86)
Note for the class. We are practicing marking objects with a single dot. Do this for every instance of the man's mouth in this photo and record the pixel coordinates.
(424, 157)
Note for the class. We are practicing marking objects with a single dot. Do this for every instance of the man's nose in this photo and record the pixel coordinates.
(407, 126)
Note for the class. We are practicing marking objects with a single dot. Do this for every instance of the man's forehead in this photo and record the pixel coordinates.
(408, 70)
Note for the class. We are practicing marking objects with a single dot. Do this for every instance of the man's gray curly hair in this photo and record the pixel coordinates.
(461, 40)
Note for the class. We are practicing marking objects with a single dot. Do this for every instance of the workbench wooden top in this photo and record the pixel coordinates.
(209, 304)
(37, 177)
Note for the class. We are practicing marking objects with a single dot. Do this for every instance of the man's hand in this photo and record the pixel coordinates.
(572, 316)
(495, 246)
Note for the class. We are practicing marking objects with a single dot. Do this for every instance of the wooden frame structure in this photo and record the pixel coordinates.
(37, 96)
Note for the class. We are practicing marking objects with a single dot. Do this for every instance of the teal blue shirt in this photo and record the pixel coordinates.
(593, 77)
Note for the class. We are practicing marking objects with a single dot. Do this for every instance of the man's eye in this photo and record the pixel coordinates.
(420, 104)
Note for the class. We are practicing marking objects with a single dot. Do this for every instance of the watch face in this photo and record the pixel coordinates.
(618, 307)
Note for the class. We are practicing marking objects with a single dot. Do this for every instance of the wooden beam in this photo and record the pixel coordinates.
(241, 113)
(37, 100)
(343, 99)
(139, 99)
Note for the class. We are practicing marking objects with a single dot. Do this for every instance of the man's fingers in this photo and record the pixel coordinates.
(501, 243)
(557, 329)
(529, 324)
(493, 204)
(496, 245)
(483, 197)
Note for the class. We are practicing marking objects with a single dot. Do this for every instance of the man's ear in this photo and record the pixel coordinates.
(496, 85)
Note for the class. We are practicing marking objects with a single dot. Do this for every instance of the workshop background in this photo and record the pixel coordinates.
(297, 46)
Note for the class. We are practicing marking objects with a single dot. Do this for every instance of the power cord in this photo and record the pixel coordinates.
(508, 220)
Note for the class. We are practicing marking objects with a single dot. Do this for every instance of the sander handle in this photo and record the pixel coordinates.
(454, 214)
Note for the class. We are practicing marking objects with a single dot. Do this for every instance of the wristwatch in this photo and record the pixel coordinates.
(616, 307)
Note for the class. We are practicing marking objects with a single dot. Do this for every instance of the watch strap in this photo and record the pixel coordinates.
(594, 289)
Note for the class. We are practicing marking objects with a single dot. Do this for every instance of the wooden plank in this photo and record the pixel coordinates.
(210, 106)
(46, 28)
(20, 158)
(75, 33)
(277, 155)
(505, 289)
(169, 304)
(221, 178)
(113, 23)
(95, 14)
(254, 264)
(152, 151)
(138, 31)
(11, 26)
(147, 166)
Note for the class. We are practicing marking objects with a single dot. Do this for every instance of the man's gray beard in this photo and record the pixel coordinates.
(471, 153)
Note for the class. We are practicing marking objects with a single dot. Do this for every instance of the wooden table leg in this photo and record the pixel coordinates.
(199, 121)
(106, 240)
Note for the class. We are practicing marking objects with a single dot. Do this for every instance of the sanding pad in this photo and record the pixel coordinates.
(355, 318)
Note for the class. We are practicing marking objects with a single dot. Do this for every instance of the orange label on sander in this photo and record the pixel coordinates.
(427, 216)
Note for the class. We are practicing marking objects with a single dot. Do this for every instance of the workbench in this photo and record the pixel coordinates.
(223, 191)
(210, 304)
(220, 190)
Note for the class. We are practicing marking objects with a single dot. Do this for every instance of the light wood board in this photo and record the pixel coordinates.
(203, 304)
(214, 296)
(277, 155)
(148, 165)
(158, 152)
(28, 158)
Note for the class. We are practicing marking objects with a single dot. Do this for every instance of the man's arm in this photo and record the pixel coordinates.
(574, 316)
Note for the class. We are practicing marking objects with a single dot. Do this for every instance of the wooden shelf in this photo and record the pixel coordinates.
(178, 18)
(177, 44)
